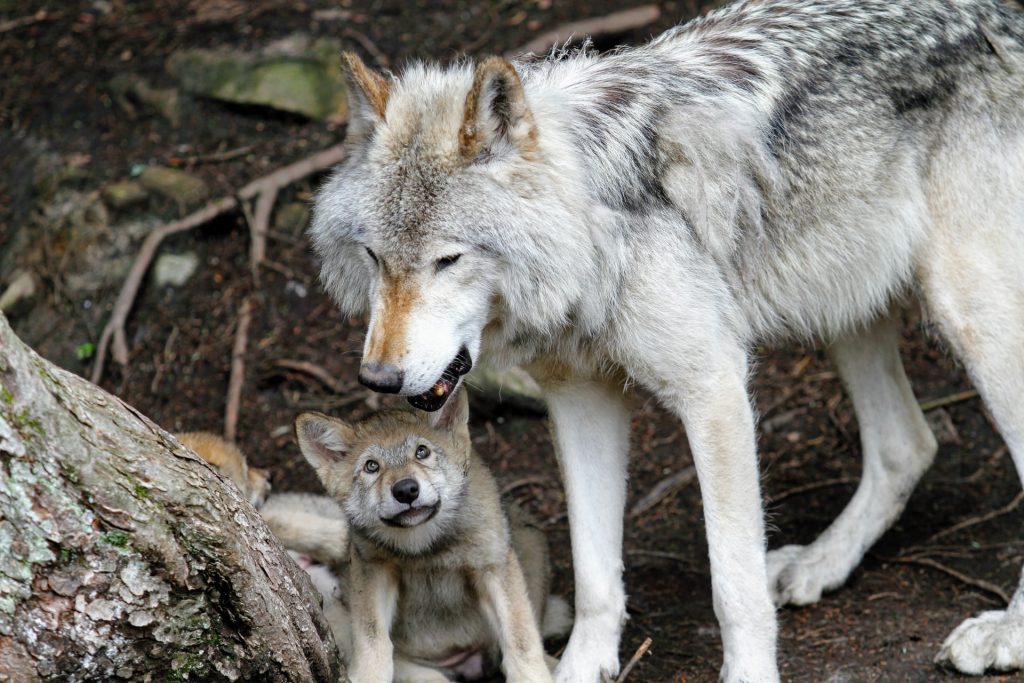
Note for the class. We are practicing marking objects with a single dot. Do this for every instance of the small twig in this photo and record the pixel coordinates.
(980, 584)
(978, 519)
(368, 45)
(616, 22)
(237, 378)
(958, 397)
(258, 227)
(520, 483)
(640, 652)
(212, 158)
(41, 15)
(663, 489)
(315, 371)
(813, 486)
(282, 177)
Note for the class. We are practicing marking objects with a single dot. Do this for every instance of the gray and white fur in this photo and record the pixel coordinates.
(778, 169)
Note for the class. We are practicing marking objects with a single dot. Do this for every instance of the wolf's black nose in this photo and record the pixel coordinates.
(387, 379)
(405, 490)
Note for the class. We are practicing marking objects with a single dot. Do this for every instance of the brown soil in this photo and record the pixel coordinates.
(885, 625)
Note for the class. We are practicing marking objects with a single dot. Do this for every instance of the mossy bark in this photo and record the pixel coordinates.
(123, 556)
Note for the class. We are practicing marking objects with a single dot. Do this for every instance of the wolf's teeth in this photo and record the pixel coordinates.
(439, 389)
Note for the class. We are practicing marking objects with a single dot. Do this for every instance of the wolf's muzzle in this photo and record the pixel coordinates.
(382, 378)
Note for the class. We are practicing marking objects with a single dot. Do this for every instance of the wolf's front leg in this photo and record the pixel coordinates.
(591, 428)
(507, 606)
(720, 427)
(374, 595)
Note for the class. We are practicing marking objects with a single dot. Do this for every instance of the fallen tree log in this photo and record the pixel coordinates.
(124, 556)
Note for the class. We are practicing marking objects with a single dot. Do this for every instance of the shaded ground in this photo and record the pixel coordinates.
(885, 626)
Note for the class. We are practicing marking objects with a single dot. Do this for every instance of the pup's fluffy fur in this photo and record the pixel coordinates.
(253, 482)
(432, 585)
(776, 169)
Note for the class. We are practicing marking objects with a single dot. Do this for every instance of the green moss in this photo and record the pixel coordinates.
(118, 539)
(141, 491)
(71, 472)
(25, 420)
(6, 396)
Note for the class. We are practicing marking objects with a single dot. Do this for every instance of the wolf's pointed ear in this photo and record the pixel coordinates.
(453, 416)
(496, 112)
(323, 440)
(368, 93)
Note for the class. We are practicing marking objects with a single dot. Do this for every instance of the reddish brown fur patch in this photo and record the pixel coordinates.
(375, 87)
(387, 339)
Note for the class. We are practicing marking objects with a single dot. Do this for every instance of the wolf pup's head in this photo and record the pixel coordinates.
(443, 210)
(399, 475)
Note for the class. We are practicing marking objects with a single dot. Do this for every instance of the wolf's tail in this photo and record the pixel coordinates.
(557, 617)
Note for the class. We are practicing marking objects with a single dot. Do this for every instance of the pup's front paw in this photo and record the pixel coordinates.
(795, 576)
(592, 654)
(992, 640)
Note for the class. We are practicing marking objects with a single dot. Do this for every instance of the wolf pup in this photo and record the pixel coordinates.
(776, 169)
(253, 482)
(437, 574)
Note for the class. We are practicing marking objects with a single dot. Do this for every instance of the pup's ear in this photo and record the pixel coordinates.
(453, 416)
(496, 113)
(323, 440)
(368, 93)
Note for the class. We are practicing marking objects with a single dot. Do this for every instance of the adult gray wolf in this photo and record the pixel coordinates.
(776, 169)
(437, 577)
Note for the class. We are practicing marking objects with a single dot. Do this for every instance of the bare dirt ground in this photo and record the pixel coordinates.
(885, 625)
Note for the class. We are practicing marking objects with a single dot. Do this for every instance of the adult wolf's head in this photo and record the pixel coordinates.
(442, 212)
(399, 475)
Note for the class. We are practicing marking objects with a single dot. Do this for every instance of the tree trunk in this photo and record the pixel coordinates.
(123, 556)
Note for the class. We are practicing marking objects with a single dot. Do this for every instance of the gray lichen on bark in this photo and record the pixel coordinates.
(123, 555)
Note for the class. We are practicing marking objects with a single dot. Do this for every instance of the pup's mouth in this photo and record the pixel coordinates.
(414, 516)
(438, 394)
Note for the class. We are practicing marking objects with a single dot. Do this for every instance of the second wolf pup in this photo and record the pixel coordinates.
(435, 566)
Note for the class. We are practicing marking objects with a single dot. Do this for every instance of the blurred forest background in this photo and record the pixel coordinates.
(119, 118)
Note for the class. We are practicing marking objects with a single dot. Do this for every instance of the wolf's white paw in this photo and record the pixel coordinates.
(591, 656)
(795, 576)
(991, 640)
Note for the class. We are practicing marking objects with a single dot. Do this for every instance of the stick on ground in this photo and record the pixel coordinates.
(237, 378)
(640, 652)
(616, 22)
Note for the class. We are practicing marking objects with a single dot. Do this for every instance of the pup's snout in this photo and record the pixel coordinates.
(381, 377)
(405, 490)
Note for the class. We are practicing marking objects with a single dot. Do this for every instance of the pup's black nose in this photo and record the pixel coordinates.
(387, 379)
(405, 490)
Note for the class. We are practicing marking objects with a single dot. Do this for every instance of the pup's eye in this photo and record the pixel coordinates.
(422, 453)
(443, 263)
(372, 255)
(371, 466)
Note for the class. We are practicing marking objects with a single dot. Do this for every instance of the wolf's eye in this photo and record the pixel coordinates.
(372, 255)
(422, 453)
(443, 263)
(371, 466)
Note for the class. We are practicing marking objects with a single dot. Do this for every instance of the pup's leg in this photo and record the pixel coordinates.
(591, 429)
(974, 286)
(410, 672)
(374, 596)
(898, 447)
(507, 606)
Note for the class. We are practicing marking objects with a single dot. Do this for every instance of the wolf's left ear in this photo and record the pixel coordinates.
(368, 93)
(453, 415)
(496, 113)
(323, 440)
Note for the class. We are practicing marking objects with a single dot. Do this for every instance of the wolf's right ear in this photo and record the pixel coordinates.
(495, 113)
(368, 93)
(323, 440)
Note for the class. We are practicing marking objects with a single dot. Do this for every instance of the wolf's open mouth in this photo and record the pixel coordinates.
(413, 516)
(437, 396)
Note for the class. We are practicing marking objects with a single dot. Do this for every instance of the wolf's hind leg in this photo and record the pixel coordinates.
(973, 282)
(897, 449)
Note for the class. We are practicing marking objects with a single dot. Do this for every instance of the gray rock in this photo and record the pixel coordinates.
(174, 269)
(19, 296)
(187, 190)
(294, 75)
(510, 388)
(129, 89)
(124, 194)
